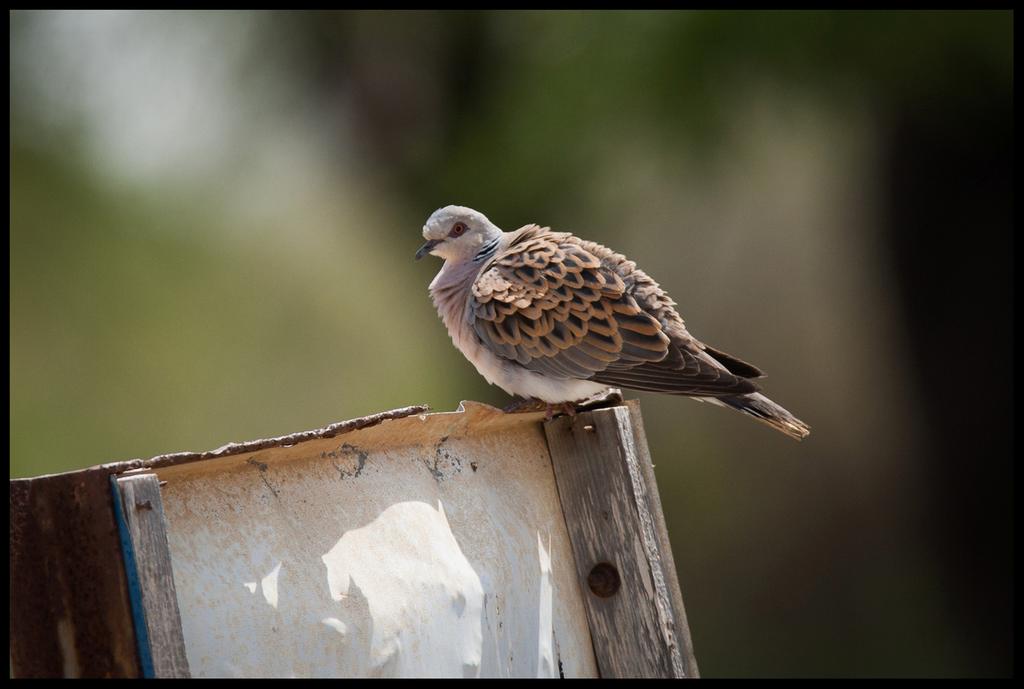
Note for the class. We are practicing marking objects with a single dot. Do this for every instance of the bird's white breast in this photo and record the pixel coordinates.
(450, 291)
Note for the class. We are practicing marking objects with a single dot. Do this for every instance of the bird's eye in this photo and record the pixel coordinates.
(457, 229)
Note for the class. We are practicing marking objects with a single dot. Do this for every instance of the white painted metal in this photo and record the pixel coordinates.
(429, 546)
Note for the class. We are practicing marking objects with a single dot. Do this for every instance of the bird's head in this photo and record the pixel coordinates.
(457, 233)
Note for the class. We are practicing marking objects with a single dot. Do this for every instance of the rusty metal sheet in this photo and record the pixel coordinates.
(429, 545)
(70, 612)
(330, 431)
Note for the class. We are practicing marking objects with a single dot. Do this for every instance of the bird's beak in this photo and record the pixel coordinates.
(427, 248)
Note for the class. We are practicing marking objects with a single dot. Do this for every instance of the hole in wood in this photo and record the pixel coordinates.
(604, 580)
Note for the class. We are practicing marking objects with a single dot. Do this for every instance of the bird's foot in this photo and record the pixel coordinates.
(567, 408)
(607, 398)
(520, 405)
(611, 397)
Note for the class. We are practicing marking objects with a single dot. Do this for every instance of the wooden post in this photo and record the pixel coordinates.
(150, 577)
(611, 507)
(70, 610)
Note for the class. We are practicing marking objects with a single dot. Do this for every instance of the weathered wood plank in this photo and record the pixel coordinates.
(609, 499)
(143, 513)
(70, 610)
(682, 627)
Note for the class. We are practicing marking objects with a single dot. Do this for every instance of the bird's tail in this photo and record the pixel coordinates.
(764, 410)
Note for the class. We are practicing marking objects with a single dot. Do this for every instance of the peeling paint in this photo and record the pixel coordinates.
(268, 585)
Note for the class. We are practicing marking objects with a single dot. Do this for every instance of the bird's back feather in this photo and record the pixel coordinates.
(566, 307)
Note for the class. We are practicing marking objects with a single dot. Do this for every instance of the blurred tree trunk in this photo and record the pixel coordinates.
(948, 176)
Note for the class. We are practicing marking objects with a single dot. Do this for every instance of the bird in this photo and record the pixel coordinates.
(555, 319)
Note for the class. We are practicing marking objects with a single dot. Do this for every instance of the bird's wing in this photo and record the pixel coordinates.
(554, 305)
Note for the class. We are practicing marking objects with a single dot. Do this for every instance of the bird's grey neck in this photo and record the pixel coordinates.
(450, 288)
(487, 250)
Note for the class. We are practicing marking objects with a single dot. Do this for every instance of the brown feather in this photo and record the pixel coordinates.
(570, 308)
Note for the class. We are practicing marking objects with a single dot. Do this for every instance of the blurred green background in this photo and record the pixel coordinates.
(213, 217)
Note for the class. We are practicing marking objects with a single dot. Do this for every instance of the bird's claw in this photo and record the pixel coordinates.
(520, 405)
(567, 408)
(570, 409)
